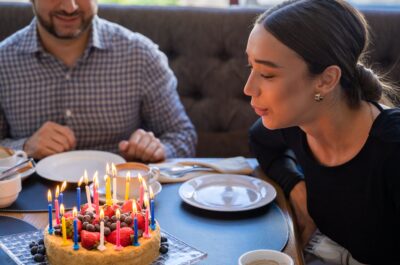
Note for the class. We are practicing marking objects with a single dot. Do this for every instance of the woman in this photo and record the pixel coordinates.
(319, 110)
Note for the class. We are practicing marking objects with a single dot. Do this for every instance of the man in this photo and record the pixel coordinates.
(71, 80)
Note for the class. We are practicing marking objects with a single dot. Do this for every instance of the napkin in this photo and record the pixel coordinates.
(232, 165)
(329, 251)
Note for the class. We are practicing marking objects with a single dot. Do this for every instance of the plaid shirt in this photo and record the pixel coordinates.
(121, 83)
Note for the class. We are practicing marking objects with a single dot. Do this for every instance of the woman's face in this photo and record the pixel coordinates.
(281, 88)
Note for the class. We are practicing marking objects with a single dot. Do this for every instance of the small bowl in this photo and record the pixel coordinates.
(265, 257)
(9, 190)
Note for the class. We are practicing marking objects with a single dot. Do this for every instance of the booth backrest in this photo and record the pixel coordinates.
(206, 50)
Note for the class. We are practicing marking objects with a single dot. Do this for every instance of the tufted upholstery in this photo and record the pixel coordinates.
(206, 51)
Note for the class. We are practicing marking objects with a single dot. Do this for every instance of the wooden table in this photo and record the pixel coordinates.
(292, 248)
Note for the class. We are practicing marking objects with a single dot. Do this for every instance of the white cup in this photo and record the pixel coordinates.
(14, 156)
(149, 174)
(265, 257)
(9, 190)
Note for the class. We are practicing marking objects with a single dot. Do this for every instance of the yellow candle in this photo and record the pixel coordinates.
(63, 226)
(108, 190)
(128, 179)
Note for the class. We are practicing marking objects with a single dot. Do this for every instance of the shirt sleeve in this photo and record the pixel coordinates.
(162, 110)
(5, 140)
(274, 157)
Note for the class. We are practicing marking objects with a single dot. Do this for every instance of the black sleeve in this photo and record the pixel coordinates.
(274, 157)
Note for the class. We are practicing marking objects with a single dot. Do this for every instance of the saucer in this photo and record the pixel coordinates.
(155, 185)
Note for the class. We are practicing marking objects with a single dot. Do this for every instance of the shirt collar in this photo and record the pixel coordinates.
(98, 39)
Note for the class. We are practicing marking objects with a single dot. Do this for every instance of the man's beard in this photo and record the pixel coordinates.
(50, 27)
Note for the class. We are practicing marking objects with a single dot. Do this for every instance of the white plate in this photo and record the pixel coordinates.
(70, 165)
(155, 186)
(24, 175)
(227, 192)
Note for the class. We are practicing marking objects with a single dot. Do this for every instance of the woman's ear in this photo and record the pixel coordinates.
(328, 79)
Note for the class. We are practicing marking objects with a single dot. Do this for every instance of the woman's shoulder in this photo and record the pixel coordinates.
(386, 126)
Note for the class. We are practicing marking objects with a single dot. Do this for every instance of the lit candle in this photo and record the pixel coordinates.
(101, 247)
(135, 225)
(114, 178)
(108, 190)
(61, 196)
(128, 179)
(141, 191)
(78, 193)
(118, 241)
(152, 223)
(89, 200)
(63, 226)
(74, 215)
(49, 199)
(56, 205)
(146, 233)
(96, 193)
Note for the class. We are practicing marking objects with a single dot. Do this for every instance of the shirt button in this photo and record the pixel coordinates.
(68, 113)
(68, 76)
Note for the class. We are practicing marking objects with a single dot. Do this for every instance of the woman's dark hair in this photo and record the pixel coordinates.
(325, 33)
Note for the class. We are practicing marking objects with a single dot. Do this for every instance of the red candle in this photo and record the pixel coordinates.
(146, 233)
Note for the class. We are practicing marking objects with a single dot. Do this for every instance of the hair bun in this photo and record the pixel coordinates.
(369, 83)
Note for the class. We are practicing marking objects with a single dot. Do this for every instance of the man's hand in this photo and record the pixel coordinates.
(51, 138)
(298, 200)
(142, 146)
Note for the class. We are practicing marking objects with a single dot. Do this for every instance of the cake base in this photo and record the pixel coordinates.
(145, 254)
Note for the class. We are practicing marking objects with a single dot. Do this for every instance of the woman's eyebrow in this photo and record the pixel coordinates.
(267, 63)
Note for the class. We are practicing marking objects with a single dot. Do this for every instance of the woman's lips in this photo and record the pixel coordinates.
(260, 111)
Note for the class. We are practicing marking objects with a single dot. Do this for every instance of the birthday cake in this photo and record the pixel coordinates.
(132, 247)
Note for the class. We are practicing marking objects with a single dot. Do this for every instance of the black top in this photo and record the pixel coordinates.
(356, 204)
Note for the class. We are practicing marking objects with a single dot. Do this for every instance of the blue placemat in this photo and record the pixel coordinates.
(33, 196)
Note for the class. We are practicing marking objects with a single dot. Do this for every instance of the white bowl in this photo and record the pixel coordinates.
(265, 256)
(9, 190)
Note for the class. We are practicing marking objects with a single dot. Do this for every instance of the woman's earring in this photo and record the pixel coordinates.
(318, 97)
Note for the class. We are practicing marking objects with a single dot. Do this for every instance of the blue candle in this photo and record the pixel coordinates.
(74, 214)
(61, 198)
(152, 223)
(135, 229)
(50, 230)
(78, 197)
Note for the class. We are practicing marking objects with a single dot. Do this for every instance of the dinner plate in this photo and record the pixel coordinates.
(70, 165)
(24, 175)
(155, 186)
(227, 192)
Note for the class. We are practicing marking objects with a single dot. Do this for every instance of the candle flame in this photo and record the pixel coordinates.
(105, 177)
(134, 208)
(140, 178)
(49, 199)
(144, 185)
(63, 186)
(151, 193)
(62, 209)
(80, 181)
(108, 169)
(128, 176)
(118, 214)
(74, 212)
(101, 213)
(95, 176)
(85, 177)
(113, 170)
(96, 183)
(57, 192)
(146, 200)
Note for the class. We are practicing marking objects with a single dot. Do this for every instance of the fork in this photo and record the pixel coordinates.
(177, 172)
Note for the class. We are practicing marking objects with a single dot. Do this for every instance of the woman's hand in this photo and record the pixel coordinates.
(305, 224)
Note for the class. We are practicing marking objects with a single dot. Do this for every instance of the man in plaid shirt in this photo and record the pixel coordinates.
(71, 80)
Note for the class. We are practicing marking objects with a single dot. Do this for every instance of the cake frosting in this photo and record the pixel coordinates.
(145, 254)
